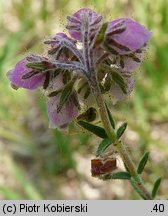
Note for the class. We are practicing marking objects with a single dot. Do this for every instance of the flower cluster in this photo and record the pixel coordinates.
(95, 50)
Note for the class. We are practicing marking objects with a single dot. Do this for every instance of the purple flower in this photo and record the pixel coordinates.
(130, 62)
(127, 39)
(68, 112)
(75, 23)
(69, 71)
(16, 77)
(116, 91)
(58, 38)
(125, 35)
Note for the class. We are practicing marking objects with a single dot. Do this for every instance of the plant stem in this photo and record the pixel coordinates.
(136, 180)
(102, 109)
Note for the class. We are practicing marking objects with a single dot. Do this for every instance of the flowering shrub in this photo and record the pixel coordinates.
(97, 58)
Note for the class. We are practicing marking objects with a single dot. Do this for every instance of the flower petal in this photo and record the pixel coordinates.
(15, 76)
(58, 38)
(66, 115)
(75, 24)
(134, 37)
(116, 91)
(129, 63)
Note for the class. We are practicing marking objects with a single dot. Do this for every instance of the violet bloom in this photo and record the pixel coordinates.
(66, 115)
(107, 54)
(127, 39)
(75, 23)
(117, 92)
(69, 110)
(16, 77)
(57, 41)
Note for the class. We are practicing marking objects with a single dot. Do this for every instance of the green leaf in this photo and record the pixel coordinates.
(67, 91)
(102, 146)
(37, 65)
(156, 187)
(99, 131)
(110, 117)
(121, 130)
(55, 93)
(89, 115)
(110, 49)
(100, 35)
(118, 175)
(87, 93)
(142, 163)
(107, 83)
(119, 80)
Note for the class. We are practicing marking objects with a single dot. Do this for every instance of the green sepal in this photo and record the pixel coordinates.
(110, 117)
(41, 65)
(118, 79)
(55, 93)
(66, 92)
(89, 115)
(97, 130)
(102, 146)
(121, 130)
(30, 74)
(107, 83)
(110, 49)
(100, 35)
(142, 163)
(156, 187)
(118, 175)
(87, 93)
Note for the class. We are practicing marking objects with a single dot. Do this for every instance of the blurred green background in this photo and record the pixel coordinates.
(40, 163)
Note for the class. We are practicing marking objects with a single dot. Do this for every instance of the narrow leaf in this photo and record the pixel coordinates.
(107, 83)
(100, 35)
(41, 65)
(102, 146)
(46, 81)
(110, 49)
(99, 131)
(67, 91)
(30, 74)
(118, 175)
(87, 93)
(120, 81)
(142, 163)
(110, 117)
(156, 187)
(89, 116)
(117, 78)
(55, 93)
(121, 130)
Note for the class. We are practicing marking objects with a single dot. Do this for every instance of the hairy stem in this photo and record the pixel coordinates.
(136, 181)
